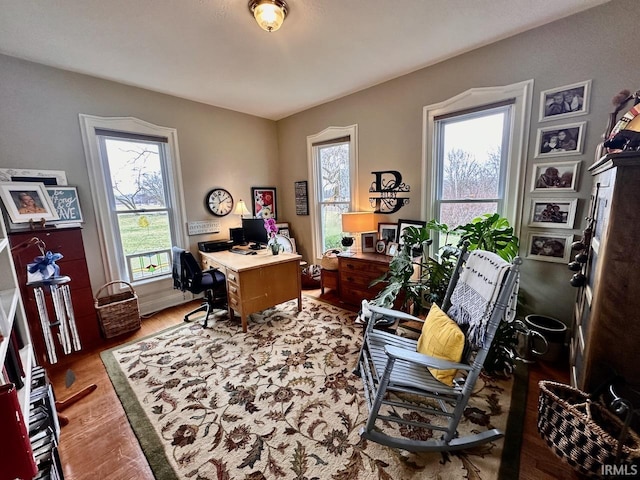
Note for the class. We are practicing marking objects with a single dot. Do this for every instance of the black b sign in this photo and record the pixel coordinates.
(387, 185)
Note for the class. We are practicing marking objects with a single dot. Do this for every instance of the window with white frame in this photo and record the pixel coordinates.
(475, 153)
(134, 175)
(332, 166)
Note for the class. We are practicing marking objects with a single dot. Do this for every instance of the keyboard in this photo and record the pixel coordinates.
(242, 251)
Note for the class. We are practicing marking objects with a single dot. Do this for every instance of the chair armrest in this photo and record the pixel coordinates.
(211, 270)
(424, 360)
(387, 312)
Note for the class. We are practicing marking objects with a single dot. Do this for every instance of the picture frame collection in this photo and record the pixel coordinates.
(554, 174)
(39, 196)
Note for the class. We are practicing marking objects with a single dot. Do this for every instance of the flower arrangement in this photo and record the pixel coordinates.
(271, 228)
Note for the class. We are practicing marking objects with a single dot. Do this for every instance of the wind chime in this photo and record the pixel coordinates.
(43, 274)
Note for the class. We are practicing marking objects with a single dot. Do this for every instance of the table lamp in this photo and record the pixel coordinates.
(356, 223)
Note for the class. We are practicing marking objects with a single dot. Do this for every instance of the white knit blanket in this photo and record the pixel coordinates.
(476, 293)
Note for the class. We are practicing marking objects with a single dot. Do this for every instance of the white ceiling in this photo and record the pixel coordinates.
(213, 52)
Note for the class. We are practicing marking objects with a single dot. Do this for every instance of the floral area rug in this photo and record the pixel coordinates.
(277, 402)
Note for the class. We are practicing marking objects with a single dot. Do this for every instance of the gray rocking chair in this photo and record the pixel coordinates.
(396, 375)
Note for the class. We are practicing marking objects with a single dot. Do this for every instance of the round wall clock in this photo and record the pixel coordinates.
(219, 202)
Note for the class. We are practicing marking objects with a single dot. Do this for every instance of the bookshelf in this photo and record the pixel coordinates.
(13, 319)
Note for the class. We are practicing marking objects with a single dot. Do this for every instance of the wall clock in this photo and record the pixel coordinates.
(219, 202)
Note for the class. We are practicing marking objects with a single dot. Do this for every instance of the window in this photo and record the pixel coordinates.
(470, 164)
(332, 163)
(134, 174)
(475, 151)
(136, 191)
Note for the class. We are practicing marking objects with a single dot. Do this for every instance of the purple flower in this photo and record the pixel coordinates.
(271, 227)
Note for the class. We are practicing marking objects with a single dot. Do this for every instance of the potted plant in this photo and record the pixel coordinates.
(422, 279)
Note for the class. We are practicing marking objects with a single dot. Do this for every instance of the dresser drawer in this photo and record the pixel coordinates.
(363, 267)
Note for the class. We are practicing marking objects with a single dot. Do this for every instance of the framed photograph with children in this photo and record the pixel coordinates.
(560, 176)
(562, 102)
(553, 212)
(560, 140)
(549, 246)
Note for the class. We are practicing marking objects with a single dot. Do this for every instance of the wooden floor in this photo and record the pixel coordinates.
(98, 442)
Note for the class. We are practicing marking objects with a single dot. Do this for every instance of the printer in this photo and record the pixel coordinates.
(215, 245)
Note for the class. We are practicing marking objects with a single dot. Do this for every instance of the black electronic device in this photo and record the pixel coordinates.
(215, 245)
(254, 231)
(237, 236)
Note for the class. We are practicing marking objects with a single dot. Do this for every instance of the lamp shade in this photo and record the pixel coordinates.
(241, 209)
(268, 13)
(356, 222)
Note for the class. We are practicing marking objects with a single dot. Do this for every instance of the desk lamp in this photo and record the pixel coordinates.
(356, 222)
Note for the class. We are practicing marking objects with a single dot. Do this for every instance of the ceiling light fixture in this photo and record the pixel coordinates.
(269, 13)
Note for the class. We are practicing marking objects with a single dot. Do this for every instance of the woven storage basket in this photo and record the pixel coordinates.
(582, 432)
(118, 313)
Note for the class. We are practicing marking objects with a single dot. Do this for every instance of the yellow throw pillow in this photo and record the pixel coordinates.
(441, 338)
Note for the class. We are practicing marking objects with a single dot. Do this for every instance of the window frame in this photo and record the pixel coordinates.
(114, 268)
(518, 143)
(325, 136)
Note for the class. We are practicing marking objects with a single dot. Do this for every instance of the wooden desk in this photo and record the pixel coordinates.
(257, 282)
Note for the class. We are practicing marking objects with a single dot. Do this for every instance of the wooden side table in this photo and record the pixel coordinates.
(328, 279)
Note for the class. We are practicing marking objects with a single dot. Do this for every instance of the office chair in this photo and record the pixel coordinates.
(188, 276)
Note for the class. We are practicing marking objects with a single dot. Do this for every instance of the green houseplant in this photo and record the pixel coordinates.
(415, 279)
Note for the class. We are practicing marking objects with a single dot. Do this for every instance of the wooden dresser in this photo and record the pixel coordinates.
(356, 272)
(606, 332)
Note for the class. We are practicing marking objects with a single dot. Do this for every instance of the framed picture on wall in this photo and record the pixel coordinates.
(27, 201)
(553, 212)
(560, 140)
(549, 246)
(560, 176)
(264, 202)
(563, 102)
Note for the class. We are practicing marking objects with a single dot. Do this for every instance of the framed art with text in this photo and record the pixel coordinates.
(66, 204)
(302, 199)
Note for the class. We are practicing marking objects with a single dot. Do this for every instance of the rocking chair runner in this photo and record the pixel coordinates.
(391, 367)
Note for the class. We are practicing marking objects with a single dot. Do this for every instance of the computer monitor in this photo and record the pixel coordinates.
(254, 231)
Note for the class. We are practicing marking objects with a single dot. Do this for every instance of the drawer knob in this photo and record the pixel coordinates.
(232, 277)
(233, 289)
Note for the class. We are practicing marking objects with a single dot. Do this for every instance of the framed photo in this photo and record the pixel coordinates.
(553, 212)
(48, 177)
(66, 204)
(560, 176)
(549, 247)
(368, 242)
(560, 140)
(264, 202)
(27, 201)
(402, 224)
(381, 246)
(392, 249)
(388, 232)
(563, 102)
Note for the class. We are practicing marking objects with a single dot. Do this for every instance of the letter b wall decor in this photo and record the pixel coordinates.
(386, 186)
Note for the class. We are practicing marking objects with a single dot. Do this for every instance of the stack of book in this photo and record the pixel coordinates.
(44, 428)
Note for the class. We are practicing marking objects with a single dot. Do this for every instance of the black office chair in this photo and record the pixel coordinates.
(188, 276)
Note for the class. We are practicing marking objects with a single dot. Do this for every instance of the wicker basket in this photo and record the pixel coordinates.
(582, 432)
(118, 313)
